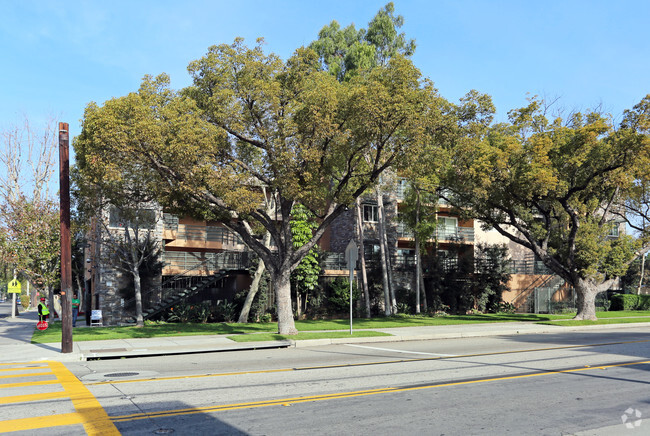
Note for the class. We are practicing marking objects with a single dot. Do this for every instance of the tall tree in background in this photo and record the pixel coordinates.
(29, 215)
(561, 188)
(252, 120)
(419, 214)
(347, 52)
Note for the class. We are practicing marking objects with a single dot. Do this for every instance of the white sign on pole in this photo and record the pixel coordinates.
(351, 256)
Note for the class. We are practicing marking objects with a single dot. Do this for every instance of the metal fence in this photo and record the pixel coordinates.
(460, 234)
(209, 262)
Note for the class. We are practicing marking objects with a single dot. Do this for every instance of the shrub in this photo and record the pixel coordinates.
(181, 312)
(503, 307)
(267, 317)
(630, 302)
(340, 294)
(24, 301)
(225, 311)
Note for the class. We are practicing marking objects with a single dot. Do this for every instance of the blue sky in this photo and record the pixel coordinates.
(60, 55)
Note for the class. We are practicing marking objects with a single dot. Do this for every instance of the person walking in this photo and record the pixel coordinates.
(75, 309)
(43, 311)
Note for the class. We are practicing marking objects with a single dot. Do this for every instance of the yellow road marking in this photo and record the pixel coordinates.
(26, 384)
(33, 397)
(88, 411)
(92, 415)
(23, 368)
(352, 394)
(349, 365)
(26, 375)
(36, 422)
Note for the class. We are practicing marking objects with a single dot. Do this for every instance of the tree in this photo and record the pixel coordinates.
(419, 214)
(33, 240)
(117, 196)
(491, 276)
(304, 278)
(561, 188)
(29, 215)
(251, 120)
(345, 53)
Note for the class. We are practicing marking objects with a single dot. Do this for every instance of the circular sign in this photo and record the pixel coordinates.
(41, 325)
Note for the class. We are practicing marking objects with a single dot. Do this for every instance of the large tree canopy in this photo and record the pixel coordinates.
(251, 120)
(561, 187)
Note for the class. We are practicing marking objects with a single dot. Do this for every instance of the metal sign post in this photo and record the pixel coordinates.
(351, 256)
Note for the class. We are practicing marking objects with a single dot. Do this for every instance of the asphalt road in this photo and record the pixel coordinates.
(553, 384)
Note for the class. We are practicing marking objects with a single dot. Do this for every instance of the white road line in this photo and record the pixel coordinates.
(401, 351)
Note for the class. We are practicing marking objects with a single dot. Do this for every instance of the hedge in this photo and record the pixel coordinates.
(630, 302)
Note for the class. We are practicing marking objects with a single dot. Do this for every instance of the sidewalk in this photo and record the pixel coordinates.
(16, 346)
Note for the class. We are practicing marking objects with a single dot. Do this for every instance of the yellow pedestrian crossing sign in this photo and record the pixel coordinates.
(14, 287)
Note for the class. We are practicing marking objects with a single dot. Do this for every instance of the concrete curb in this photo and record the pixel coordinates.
(542, 329)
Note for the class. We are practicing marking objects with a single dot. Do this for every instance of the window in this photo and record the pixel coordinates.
(142, 218)
(614, 230)
(370, 213)
(447, 227)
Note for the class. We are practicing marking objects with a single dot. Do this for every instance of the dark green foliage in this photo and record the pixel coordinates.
(304, 279)
(630, 302)
(491, 276)
(467, 284)
(339, 291)
(630, 281)
(225, 311)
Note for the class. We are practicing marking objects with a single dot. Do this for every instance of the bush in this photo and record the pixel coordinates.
(503, 307)
(184, 312)
(630, 302)
(24, 301)
(340, 294)
(225, 311)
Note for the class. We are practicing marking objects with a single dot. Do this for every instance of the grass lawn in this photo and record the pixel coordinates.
(53, 333)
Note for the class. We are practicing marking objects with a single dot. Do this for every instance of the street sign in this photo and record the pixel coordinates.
(14, 287)
(41, 325)
(351, 255)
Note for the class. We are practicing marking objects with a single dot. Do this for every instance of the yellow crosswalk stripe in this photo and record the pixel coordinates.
(25, 375)
(33, 397)
(23, 368)
(36, 422)
(88, 412)
(26, 384)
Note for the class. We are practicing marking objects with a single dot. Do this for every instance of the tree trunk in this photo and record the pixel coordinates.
(362, 253)
(255, 285)
(425, 305)
(417, 253)
(139, 320)
(586, 299)
(50, 297)
(298, 304)
(638, 289)
(383, 254)
(282, 284)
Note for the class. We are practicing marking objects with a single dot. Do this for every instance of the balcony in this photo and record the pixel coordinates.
(442, 234)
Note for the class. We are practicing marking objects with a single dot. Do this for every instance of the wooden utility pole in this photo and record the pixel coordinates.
(66, 255)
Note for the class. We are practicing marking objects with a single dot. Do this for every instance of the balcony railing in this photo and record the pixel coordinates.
(207, 262)
(461, 234)
(528, 267)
